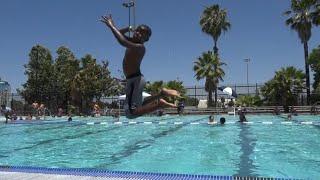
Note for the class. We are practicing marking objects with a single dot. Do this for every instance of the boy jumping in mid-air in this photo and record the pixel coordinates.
(135, 50)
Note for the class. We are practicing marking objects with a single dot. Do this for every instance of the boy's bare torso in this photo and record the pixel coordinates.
(132, 60)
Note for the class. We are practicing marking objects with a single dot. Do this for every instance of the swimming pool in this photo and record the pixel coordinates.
(267, 146)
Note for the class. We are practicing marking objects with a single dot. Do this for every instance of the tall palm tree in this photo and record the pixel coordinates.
(302, 15)
(154, 87)
(214, 21)
(209, 67)
(316, 13)
(314, 62)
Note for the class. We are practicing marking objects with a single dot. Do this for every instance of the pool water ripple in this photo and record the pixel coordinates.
(256, 149)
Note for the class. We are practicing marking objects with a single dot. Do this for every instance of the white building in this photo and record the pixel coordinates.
(5, 93)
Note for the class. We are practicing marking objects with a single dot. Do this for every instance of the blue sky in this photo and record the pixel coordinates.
(258, 32)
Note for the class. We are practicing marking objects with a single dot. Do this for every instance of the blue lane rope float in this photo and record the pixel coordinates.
(125, 174)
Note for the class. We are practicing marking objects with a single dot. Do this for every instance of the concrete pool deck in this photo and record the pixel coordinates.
(40, 173)
(38, 176)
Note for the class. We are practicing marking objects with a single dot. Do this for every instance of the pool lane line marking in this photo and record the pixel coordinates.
(286, 123)
(248, 122)
(162, 122)
(267, 122)
(230, 122)
(176, 123)
(306, 122)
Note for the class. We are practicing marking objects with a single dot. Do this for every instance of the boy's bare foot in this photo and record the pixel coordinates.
(164, 103)
(170, 92)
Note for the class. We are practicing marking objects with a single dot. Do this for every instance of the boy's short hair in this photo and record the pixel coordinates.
(146, 29)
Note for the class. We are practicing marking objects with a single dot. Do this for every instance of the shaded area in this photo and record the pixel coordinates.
(2, 156)
(247, 144)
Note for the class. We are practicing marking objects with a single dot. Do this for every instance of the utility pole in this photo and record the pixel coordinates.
(130, 5)
(247, 61)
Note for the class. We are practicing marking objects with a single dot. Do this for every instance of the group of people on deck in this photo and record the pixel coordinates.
(38, 110)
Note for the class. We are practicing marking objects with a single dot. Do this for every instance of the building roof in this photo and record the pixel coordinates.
(4, 85)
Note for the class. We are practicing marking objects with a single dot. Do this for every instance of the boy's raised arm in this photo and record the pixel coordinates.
(119, 36)
(125, 30)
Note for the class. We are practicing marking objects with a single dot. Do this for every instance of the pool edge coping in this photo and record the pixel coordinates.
(123, 174)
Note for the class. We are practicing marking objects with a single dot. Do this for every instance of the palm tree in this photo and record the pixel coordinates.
(209, 67)
(249, 101)
(316, 13)
(303, 14)
(284, 88)
(154, 87)
(213, 22)
(177, 85)
(314, 62)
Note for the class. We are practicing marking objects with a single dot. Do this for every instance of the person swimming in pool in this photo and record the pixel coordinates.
(135, 50)
(242, 117)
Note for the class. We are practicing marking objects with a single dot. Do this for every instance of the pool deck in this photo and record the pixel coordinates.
(38, 176)
(39, 173)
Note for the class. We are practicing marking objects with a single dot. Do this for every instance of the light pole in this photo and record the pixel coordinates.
(134, 13)
(247, 61)
(130, 5)
(5, 96)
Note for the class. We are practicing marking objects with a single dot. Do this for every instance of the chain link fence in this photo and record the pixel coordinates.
(193, 93)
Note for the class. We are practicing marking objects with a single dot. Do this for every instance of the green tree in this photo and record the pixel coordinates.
(316, 13)
(250, 101)
(214, 21)
(92, 82)
(284, 88)
(107, 85)
(83, 85)
(209, 67)
(40, 76)
(302, 15)
(314, 61)
(17, 106)
(66, 68)
(155, 87)
(67, 82)
(177, 85)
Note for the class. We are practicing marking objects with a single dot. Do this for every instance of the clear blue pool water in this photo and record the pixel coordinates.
(268, 150)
